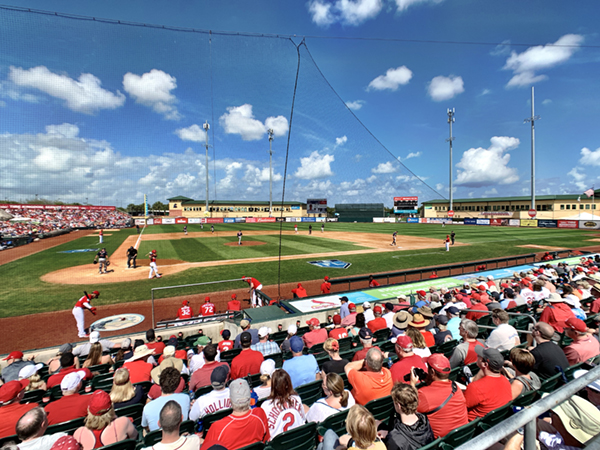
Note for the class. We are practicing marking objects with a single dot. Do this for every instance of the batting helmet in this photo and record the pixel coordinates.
(96, 293)
(153, 251)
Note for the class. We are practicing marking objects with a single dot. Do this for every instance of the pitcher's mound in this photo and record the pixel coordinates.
(245, 243)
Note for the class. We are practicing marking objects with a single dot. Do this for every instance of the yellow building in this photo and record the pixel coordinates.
(551, 207)
(186, 207)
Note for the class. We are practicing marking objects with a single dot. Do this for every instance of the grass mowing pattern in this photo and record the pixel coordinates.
(24, 293)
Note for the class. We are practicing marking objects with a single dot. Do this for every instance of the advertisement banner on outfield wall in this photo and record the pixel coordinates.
(412, 220)
(529, 222)
(140, 221)
(423, 220)
(168, 220)
(214, 220)
(150, 222)
(229, 220)
(514, 223)
(469, 221)
(321, 219)
(266, 219)
(240, 220)
(181, 220)
(543, 223)
(380, 220)
(157, 221)
(308, 219)
(377, 219)
(589, 224)
(483, 221)
(498, 222)
(195, 220)
(567, 224)
(438, 221)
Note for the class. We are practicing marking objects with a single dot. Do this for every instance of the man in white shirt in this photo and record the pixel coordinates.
(216, 399)
(368, 312)
(31, 428)
(504, 336)
(389, 315)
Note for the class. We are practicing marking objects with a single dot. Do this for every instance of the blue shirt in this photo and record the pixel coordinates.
(344, 311)
(152, 410)
(452, 327)
(301, 369)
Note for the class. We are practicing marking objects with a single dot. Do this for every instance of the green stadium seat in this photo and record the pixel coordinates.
(572, 369)
(301, 438)
(277, 357)
(316, 349)
(302, 331)
(202, 391)
(119, 364)
(146, 385)
(132, 411)
(550, 384)
(34, 396)
(100, 368)
(527, 398)
(127, 444)
(496, 416)
(454, 373)
(279, 336)
(459, 436)
(229, 355)
(253, 380)
(102, 380)
(446, 347)
(381, 408)
(209, 419)
(335, 422)
(8, 439)
(310, 392)
(345, 344)
(65, 427)
(348, 354)
(256, 446)
(434, 445)
(382, 335)
(387, 346)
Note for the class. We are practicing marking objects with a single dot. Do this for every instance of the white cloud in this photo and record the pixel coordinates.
(11, 91)
(67, 130)
(439, 187)
(589, 157)
(153, 89)
(355, 105)
(485, 92)
(444, 88)
(84, 95)
(492, 191)
(340, 141)
(392, 79)
(347, 12)
(578, 178)
(501, 49)
(315, 166)
(546, 102)
(413, 155)
(387, 167)
(240, 120)
(193, 133)
(540, 57)
(487, 167)
(402, 5)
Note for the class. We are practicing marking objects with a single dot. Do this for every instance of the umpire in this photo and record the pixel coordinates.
(131, 257)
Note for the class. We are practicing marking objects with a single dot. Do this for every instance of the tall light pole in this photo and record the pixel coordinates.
(532, 119)
(206, 127)
(270, 171)
(450, 139)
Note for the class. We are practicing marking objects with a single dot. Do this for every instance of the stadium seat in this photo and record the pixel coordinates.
(434, 445)
(454, 373)
(316, 349)
(229, 355)
(581, 366)
(459, 436)
(381, 408)
(102, 380)
(302, 331)
(119, 364)
(146, 385)
(256, 446)
(279, 336)
(310, 392)
(34, 396)
(211, 418)
(446, 347)
(202, 391)
(348, 354)
(335, 422)
(65, 427)
(345, 344)
(301, 438)
(127, 444)
(550, 384)
(496, 416)
(347, 384)
(132, 411)
(277, 357)
(526, 398)
(382, 335)
(253, 380)
(100, 368)
(387, 346)
(8, 439)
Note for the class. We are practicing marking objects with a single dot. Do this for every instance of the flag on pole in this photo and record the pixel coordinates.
(589, 192)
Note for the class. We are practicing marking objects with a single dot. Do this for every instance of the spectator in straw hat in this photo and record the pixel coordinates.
(138, 366)
(427, 313)
(584, 346)
(401, 320)
(420, 323)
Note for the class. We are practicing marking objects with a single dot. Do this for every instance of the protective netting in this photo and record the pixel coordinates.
(105, 112)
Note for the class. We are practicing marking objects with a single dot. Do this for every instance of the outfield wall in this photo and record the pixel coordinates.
(212, 220)
(530, 223)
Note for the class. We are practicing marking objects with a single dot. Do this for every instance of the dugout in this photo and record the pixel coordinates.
(359, 212)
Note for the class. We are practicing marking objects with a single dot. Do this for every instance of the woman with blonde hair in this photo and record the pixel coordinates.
(102, 426)
(419, 346)
(336, 399)
(123, 393)
(336, 363)
(362, 432)
(30, 372)
(96, 357)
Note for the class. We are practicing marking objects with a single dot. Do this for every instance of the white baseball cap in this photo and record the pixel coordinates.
(94, 337)
(29, 370)
(267, 367)
(72, 380)
(366, 305)
(292, 329)
(264, 331)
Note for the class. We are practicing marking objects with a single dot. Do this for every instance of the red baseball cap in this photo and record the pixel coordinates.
(326, 278)
(351, 306)
(14, 355)
(404, 342)
(439, 363)
(10, 390)
(576, 324)
(314, 321)
(337, 319)
(96, 293)
(422, 293)
(299, 284)
(377, 309)
(233, 296)
(207, 299)
(185, 302)
(100, 403)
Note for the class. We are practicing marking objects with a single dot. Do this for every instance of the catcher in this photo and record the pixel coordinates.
(102, 260)
(84, 303)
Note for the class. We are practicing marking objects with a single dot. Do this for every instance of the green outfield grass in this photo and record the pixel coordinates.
(24, 293)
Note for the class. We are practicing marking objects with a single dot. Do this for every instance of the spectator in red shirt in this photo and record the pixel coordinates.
(208, 309)
(233, 304)
(584, 346)
(138, 366)
(420, 323)
(378, 323)
(226, 344)
(326, 286)
(299, 292)
(556, 313)
(201, 377)
(248, 361)
(11, 394)
(476, 304)
(350, 319)
(316, 335)
(185, 312)
(72, 404)
(373, 282)
(407, 360)
(338, 331)
(67, 362)
(158, 347)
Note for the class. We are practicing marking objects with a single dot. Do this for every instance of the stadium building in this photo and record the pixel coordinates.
(549, 207)
(186, 207)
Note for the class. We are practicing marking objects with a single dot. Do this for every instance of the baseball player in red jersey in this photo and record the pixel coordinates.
(234, 303)
(254, 285)
(153, 267)
(84, 303)
(326, 286)
(208, 309)
(185, 312)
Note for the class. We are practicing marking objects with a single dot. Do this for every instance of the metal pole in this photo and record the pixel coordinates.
(532, 119)
(450, 139)
(206, 127)
(530, 435)
(153, 322)
(270, 172)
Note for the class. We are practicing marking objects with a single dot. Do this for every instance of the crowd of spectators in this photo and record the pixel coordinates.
(431, 359)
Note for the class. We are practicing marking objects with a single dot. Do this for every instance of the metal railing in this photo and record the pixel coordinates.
(527, 416)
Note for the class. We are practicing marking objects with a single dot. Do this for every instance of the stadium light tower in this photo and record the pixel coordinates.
(532, 119)
(206, 127)
(450, 139)
(270, 171)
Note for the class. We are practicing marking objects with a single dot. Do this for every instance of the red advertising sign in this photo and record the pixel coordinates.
(496, 222)
(266, 219)
(181, 220)
(158, 221)
(214, 220)
(451, 213)
(567, 224)
(406, 199)
(532, 213)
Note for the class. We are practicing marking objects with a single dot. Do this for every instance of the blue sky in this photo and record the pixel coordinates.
(108, 112)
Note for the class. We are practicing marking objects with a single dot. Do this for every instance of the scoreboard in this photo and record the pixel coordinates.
(406, 205)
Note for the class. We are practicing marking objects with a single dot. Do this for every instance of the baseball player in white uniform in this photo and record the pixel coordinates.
(84, 303)
(239, 235)
(153, 267)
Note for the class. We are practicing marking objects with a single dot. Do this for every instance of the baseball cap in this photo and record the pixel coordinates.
(126, 343)
(206, 299)
(492, 356)
(401, 297)
(14, 355)
(508, 292)
(10, 390)
(422, 293)
(440, 319)
(244, 323)
(377, 310)
(264, 331)
(239, 392)
(365, 333)
(169, 351)
(96, 293)
(326, 278)
(453, 310)
(71, 380)
(226, 334)
(389, 306)
(94, 337)
(439, 363)
(314, 322)
(296, 344)
(351, 307)
(267, 367)
(245, 338)
(65, 348)
(218, 377)
(292, 329)
(337, 319)
(29, 370)
(100, 403)
(576, 324)
(343, 299)
(366, 305)
(554, 298)
(185, 303)
(299, 285)
(66, 443)
(404, 342)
